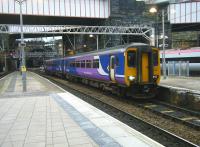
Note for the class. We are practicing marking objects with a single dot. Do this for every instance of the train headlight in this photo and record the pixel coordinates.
(131, 78)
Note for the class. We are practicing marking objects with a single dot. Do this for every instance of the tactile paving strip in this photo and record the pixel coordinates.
(97, 134)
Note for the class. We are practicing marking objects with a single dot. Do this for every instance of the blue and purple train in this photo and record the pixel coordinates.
(132, 70)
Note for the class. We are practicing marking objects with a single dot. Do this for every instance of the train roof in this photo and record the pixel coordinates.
(120, 48)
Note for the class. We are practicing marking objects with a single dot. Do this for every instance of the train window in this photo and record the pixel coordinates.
(117, 61)
(91, 63)
(155, 58)
(131, 57)
(83, 64)
(78, 64)
(88, 64)
(96, 63)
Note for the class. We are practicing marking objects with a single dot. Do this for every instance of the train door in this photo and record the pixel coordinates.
(145, 67)
(112, 68)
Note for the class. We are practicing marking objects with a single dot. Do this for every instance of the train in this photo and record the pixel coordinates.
(126, 70)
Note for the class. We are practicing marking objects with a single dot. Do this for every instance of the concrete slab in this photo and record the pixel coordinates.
(182, 83)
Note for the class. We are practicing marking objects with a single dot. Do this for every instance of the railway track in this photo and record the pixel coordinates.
(120, 112)
(3, 74)
(185, 116)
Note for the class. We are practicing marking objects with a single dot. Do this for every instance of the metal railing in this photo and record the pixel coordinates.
(178, 68)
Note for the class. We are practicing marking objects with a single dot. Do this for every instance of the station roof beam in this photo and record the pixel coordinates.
(144, 31)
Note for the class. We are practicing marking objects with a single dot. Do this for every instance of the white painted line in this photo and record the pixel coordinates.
(6, 76)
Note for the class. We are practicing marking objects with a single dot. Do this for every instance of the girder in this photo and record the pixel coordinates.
(65, 29)
(144, 31)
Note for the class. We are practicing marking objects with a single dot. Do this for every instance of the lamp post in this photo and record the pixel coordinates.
(5, 60)
(22, 45)
(163, 45)
(154, 10)
(97, 39)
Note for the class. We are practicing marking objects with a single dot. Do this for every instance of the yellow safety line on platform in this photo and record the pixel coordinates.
(6, 84)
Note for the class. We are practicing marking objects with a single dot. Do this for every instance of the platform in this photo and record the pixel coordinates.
(181, 91)
(48, 116)
(191, 84)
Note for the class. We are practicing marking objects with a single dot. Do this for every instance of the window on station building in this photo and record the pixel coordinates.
(11, 6)
(40, 5)
(35, 8)
(46, 7)
(57, 7)
(62, 7)
(5, 6)
(29, 7)
(131, 59)
(52, 7)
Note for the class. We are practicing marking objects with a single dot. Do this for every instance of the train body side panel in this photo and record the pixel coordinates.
(101, 73)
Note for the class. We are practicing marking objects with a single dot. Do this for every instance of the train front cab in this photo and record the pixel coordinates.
(142, 71)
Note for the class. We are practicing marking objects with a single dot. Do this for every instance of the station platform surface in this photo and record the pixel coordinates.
(182, 83)
(48, 116)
